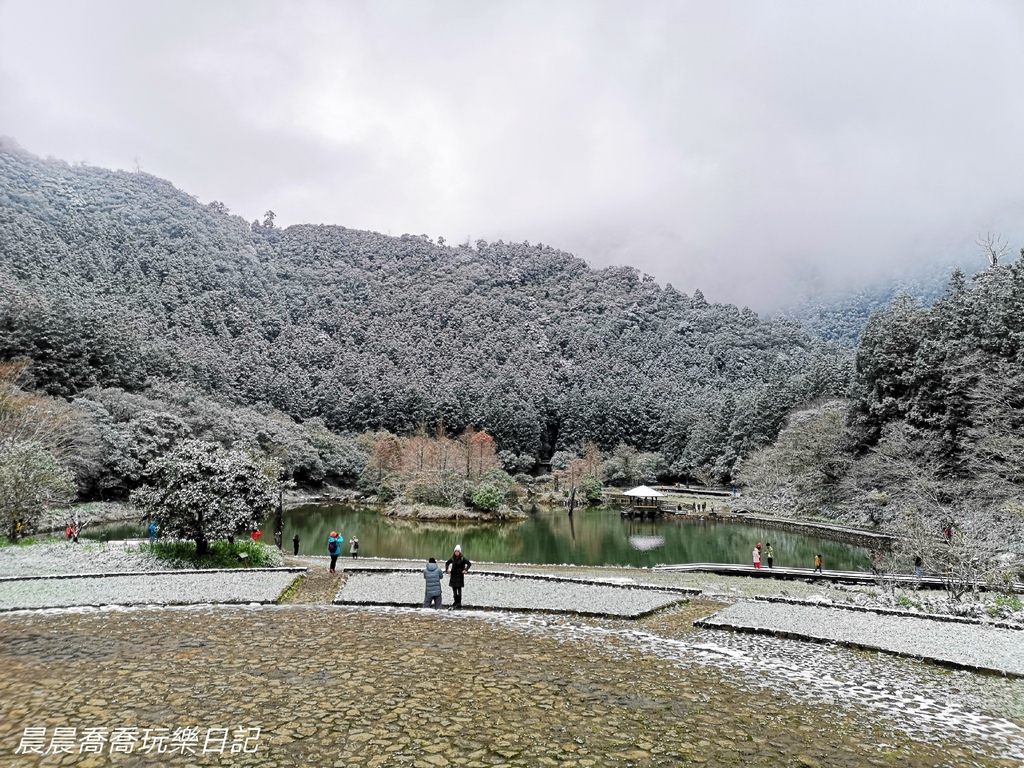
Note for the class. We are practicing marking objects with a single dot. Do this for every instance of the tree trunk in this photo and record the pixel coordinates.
(279, 520)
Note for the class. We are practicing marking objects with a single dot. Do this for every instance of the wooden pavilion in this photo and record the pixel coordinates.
(643, 502)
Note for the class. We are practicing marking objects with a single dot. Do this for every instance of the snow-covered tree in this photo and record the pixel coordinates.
(31, 482)
(202, 491)
(119, 281)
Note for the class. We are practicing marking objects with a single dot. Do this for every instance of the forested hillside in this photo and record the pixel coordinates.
(842, 317)
(119, 282)
(930, 446)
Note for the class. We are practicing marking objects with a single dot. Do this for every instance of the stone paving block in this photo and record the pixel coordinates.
(507, 592)
(973, 647)
(238, 586)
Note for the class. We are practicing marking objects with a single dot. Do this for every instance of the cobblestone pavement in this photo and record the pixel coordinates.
(340, 686)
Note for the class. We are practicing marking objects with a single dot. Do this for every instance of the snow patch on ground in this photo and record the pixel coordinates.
(66, 557)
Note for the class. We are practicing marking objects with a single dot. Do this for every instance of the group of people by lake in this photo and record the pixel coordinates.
(334, 542)
(769, 556)
(456, 567)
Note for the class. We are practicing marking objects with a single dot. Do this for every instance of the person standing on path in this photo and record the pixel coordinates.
(917, 566)
(152, 533)
(295, 545)
(334, 548)
(432, 576)
(757, 556)
(457, 566)
(354, 547)
(278, 539)
(255, 535)
(770, 554)
(817, 564)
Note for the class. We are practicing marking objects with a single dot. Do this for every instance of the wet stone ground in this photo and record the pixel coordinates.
(339, 686)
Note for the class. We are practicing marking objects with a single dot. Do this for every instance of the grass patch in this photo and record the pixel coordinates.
(1004, 604)
(291, 590)
(182, 554)
(1009, 601)
(28, 541)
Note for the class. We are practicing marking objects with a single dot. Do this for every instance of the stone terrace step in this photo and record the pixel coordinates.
(156, 588)
(973, 647)
(512, 592)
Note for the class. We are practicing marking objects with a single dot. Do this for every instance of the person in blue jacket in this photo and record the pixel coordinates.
(432, 576)
(334, 548)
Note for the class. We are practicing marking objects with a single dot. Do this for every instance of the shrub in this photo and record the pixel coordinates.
(443, 489)
(499, 479)
(590, 489)
(389, 487)
(516, 463)
(906, 602)
(1010, 602)
(221, 554)
(488, 498)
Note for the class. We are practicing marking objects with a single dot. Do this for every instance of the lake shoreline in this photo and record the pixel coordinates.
(428, 512)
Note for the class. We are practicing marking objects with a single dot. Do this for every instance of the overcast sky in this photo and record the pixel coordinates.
(749, 149)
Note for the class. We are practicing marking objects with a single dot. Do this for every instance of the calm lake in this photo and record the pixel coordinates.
(590, 537)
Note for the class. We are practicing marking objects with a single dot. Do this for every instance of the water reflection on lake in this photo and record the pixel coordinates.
(550, 536)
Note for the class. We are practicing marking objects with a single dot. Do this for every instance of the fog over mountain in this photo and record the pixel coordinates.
(121, 281)
(755, 151)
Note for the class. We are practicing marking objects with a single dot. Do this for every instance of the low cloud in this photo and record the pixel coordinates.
(750, 150)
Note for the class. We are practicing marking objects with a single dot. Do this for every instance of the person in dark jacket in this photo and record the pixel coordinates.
(432, 576)
(457, 566)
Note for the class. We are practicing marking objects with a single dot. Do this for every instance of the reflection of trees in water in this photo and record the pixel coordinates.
(642, 527)
(446, 526)
(589, 537)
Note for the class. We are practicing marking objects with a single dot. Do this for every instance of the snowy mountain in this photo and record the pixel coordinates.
(120, 280)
